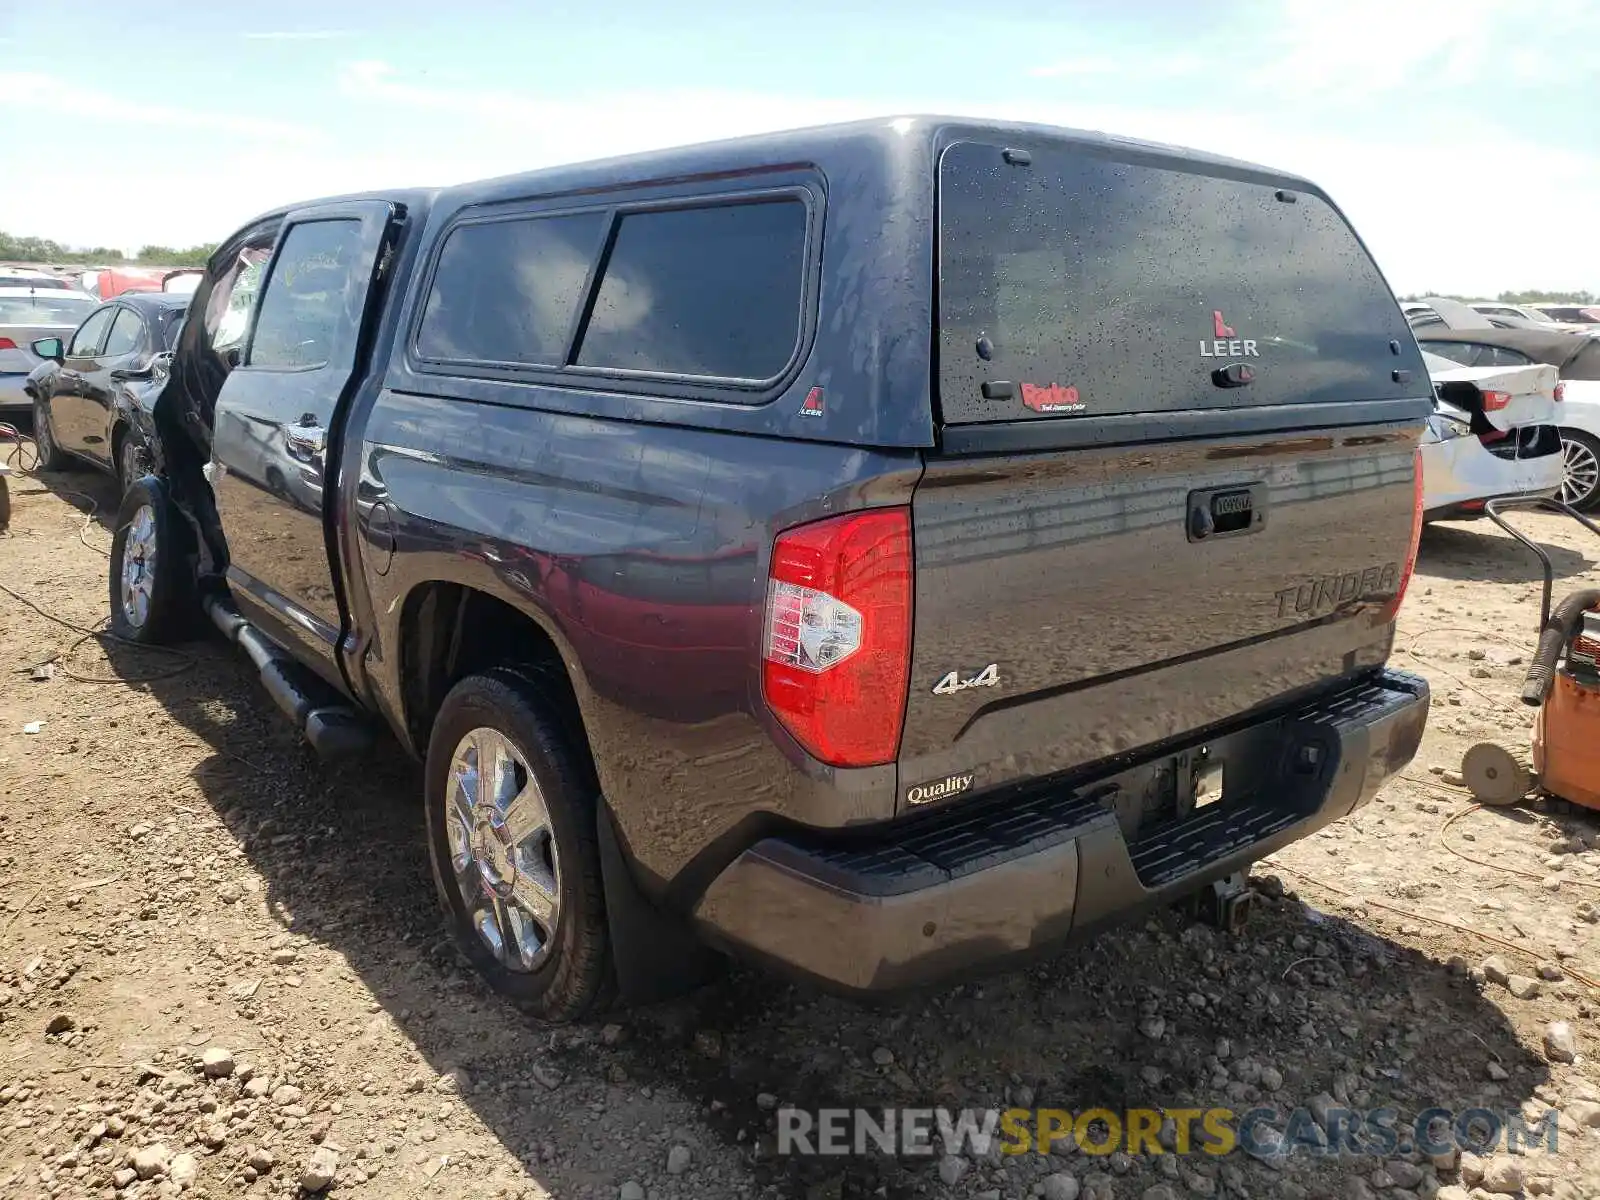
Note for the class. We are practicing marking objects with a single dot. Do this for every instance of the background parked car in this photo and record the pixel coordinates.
(1573, 314)
(11, 276)
(1522, 316)
(1578, 361)
(27, 313)
(91, 395)
(110, 282)
(1492, 434)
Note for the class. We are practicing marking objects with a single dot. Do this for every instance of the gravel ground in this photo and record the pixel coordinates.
(222, 972)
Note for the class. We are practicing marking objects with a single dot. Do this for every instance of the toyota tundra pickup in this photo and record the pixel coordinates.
(880, 551)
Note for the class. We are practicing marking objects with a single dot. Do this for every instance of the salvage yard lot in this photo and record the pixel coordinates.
(179, 875)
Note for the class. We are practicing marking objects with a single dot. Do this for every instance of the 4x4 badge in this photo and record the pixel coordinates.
(988, 677)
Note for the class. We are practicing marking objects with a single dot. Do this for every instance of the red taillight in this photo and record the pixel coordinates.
(7, 344)
(1494, 401)
(1561, 390)
(1391, 609)
(837, 644)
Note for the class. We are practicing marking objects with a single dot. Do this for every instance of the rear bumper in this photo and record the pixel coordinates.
(980, 884)
(12, 398)
(1460, 475)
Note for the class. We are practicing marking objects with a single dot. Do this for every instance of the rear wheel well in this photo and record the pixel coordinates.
(448, 632)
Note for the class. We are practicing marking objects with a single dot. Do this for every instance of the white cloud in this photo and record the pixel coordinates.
(299, 35)
(65, 97)
(1366, 48)
(1146, 68)
(1437, 210)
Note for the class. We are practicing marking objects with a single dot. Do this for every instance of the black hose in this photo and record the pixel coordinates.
(1558, 631)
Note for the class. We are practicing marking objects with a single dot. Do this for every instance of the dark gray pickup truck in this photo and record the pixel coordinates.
(881, 551)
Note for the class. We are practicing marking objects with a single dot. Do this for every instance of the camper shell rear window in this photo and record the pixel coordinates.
(1095, 285)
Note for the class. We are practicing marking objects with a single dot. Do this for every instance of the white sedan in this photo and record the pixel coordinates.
(1493, 433)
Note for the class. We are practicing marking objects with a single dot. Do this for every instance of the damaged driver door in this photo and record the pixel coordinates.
(275, 427)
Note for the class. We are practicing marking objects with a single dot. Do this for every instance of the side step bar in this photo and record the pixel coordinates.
(329, 723)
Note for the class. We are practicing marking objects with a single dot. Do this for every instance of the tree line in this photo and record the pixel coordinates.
(43, 250)
(1531, 296)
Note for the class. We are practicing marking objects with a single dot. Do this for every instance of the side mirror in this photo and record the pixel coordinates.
(50, 347)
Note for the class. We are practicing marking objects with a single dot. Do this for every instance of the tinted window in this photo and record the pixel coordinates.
(127, 334)
(233, 296)
(44, 308)
(91, 334)
(168, 325)
(1476, 354)
(1499, 356)
(701, 291)
(507, 291)
(1107, 287)
(302, 307)
(1461, 353)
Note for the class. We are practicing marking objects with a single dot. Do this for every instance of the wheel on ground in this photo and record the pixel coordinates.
(51, 456)
(511, 812)
(133, 461)
(1580, 477)
(1497, 776)
(152, 595)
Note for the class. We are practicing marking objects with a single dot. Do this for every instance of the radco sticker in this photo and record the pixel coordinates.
(1052, 398)
(951, 785)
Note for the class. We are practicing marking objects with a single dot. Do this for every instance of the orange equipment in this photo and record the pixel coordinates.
(1563, 682)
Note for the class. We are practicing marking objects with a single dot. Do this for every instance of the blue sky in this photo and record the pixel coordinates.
(1461, 136)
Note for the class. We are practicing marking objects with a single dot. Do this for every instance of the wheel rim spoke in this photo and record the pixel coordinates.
(1582, 472)
(140, 553)
(502, 849)
(526, 816)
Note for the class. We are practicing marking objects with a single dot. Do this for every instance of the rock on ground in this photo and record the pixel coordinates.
(1560, 1045)
(151, 1161)
(678, 1160)
(184, 1169)
(321, 1170)
(1503, 1175)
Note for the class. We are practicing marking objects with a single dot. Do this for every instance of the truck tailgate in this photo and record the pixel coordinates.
(1176, 479)
(1065, 614)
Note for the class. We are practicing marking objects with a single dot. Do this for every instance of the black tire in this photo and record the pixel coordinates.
(51, 456)
(573, 970)
(167, 613)
(1580, 448)
(133, 460)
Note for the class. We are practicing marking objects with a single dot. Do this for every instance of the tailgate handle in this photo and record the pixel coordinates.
(1227, 511)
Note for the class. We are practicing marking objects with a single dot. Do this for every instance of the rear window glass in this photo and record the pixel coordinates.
(506, 291)
(45, 308)
(1097, 287)
(710, 291)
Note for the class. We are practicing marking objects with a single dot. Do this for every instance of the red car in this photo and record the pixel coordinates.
(114, 281)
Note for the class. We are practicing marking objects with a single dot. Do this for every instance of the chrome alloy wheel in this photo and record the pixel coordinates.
(139, 552)
(1581, 471)
(503, 849)
(43, 438)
